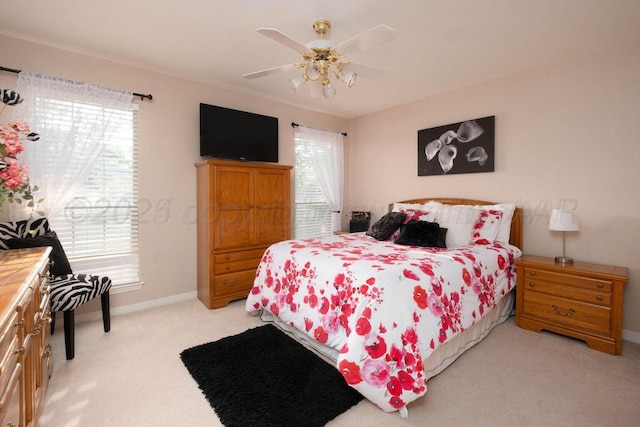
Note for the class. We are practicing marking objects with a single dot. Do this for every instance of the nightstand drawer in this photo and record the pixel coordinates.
(571, 292)
(567, 279)
(567, 312)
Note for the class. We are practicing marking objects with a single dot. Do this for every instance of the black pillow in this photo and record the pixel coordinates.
(60, 265)
(420, 233)
(442, 238)
(385, 226)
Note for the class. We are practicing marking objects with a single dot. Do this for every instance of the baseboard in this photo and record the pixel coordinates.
(131, 308)
(631, 336)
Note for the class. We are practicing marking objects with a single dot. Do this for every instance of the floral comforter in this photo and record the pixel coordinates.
(383, 306)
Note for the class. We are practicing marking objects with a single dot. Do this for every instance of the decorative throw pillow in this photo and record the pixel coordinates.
(22, 228)
(60, 265)
(419, 233)
(486, 229)
(442, 238)
(508, 210)
(385, 226)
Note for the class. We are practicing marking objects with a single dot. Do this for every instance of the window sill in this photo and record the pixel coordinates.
(126, 287)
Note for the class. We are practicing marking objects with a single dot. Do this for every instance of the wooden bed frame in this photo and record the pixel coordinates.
(515, 238)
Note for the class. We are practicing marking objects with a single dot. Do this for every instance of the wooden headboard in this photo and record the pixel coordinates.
(515, 238)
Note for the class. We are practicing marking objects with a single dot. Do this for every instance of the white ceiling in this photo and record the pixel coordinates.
(441, 44)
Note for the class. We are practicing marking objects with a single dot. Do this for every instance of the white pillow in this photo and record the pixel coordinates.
(504, 231)
(459, 220)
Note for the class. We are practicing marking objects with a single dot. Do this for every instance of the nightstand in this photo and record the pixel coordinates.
(580, 300)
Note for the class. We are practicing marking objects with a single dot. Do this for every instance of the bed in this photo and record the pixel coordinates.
(396, 305)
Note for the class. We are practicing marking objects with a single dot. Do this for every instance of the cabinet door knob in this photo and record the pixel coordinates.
(599, 297)
(532, 273)
(532, 284)
(600, 285)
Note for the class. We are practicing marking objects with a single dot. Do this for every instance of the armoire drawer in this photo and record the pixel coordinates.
(235, 282)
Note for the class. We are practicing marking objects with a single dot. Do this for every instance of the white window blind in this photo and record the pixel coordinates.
(98, 225)
(313, 214)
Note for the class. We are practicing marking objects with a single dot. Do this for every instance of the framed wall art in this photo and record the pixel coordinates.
(464, 147)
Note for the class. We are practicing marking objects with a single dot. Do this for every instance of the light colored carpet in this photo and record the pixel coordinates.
(133, 376)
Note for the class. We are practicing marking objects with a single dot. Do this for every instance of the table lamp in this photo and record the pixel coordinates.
(563, 220)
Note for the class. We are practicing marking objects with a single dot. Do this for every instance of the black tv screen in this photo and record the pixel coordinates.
(237, 135)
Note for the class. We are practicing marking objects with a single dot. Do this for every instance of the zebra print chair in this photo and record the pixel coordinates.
(68, 290)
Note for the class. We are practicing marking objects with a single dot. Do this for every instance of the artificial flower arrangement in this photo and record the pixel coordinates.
(14, 177)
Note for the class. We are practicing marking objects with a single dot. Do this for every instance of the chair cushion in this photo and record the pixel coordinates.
(72, 290)
(21, 229)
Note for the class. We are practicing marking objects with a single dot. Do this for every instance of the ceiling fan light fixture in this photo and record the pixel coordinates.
(347, 77)
(327, 90)
(321, 58)
(297, 83)
(312, 72)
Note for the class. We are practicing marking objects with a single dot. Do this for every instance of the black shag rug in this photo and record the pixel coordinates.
(262, 377)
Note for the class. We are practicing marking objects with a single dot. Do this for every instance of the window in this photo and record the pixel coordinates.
(86, 166)
(313, 215)
(319, 177)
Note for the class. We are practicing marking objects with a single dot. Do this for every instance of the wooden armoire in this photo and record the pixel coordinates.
(243, 207)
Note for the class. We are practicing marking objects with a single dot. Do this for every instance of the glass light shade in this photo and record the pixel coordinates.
(297, 83)
(347, 77)
(328, 91)
(313, 72)
(563, 220)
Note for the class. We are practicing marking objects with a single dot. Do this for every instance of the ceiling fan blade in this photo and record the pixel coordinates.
(270, 71)
(369, 39)
(370, 72)
(282, 38)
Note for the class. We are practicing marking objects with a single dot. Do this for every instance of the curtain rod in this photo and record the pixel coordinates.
(142, 96)
(293, 124)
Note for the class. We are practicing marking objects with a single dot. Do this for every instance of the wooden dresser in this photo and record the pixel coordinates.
(243, 208)
(25, 351)
(580, 300)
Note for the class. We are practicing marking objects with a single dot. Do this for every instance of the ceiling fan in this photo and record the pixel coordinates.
(323, 58)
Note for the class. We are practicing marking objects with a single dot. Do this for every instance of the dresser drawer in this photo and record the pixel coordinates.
(8, 334)
(10, 399)
(567, 312)
(8, 362)
(234, 282)
(537, 284)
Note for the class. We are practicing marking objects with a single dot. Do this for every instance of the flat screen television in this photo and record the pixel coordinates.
(237, 135)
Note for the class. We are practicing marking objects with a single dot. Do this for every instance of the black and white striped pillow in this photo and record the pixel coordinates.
(21, 229)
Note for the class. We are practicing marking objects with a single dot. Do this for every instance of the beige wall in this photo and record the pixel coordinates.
(566, 135)
(168, 149)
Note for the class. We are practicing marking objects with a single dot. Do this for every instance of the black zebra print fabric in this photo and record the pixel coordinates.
(22, 229)
(73, 290)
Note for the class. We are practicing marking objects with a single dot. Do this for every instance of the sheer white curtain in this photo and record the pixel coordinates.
(72, 118)
(328, 163)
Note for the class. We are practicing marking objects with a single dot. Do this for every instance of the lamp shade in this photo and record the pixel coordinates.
(563, 220)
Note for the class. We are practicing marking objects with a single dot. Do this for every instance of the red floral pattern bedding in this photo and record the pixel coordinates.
(384, 307)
